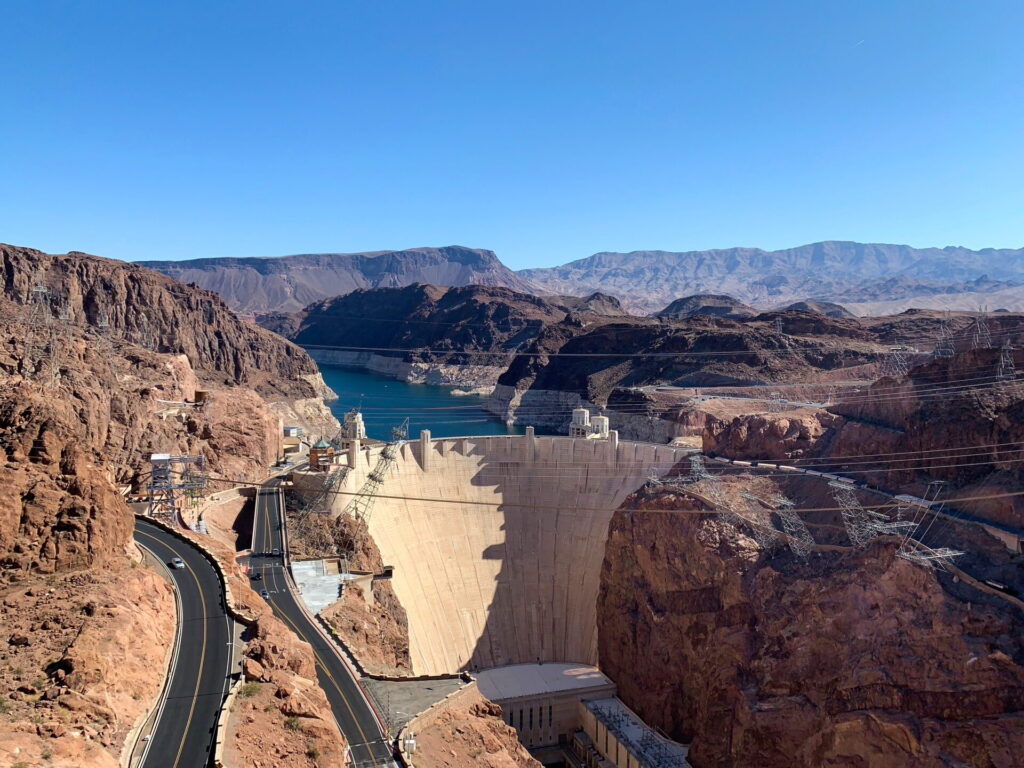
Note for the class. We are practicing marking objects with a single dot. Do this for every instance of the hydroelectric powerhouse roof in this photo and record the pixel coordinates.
(518, 680)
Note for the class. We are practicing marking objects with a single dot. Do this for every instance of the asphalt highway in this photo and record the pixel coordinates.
(353, 714)
(183, 734)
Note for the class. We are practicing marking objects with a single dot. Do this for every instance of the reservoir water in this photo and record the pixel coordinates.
(385, 402)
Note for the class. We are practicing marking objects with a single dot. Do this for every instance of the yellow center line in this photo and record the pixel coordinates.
(327, 672)
(202, 652)
(316, 655)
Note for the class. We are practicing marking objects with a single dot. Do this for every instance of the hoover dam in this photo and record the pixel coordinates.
(497, 542)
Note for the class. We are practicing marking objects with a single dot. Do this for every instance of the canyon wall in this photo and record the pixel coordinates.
(949, 419)
(856, 658)
(95, 373)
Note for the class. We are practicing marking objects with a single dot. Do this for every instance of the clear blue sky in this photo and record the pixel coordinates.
(545, 131)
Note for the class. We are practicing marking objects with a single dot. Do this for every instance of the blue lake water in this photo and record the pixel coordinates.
(385, 402)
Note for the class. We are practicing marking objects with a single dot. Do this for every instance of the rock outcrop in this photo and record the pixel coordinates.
(856, 658)
(709, 304)
(459, 336)
(374, 626)
(97, 371)
(81, 657)
(466, 731)
(949, 419)
(600, 365)
(787, 436)
(126, 302)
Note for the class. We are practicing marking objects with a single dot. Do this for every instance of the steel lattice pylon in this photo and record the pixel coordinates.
(855, 519)
(170, 474)
(45, 336)
(916, 552)
(944, 346)
(1007, 368)
(759, 521)
(362, 505)
(798, 536)
(980, 336)
(896, 365)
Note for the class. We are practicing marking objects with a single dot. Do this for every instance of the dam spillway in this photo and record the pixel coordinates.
(497, 542)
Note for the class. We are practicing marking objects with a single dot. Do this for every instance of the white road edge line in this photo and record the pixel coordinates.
(174, 656)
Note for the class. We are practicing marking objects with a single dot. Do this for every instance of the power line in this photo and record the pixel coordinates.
(564, 507)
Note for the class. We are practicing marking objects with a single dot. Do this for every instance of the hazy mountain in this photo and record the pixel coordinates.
(289, 283)
(646, 280)
(865, 278)
(707, 304)
(827, 308)
(595, 304)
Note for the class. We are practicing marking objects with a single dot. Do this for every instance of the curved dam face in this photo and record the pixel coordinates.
(498, 545)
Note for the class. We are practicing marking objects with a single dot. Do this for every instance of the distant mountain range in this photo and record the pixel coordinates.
(289, 283)
(646, 281)
(866, 278)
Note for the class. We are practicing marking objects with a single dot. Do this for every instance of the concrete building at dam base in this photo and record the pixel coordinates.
(497, 544)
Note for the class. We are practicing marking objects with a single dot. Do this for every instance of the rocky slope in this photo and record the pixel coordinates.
(463, 336)
(289, 283)
(374, 627)
(92, 381)
(601, 364)
(707, 304)
(856, 658)
(81, 657)
(466, 731)
(949, 419)
(648, 280)
(826, 308)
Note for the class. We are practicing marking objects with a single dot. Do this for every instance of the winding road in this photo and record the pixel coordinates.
(352, 711)
(183, 733)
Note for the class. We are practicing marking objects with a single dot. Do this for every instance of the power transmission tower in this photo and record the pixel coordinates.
(944, 346)
(362, 505)
(798, 537)
(896, 365)
(914, 549)
(775, 403)
(916, 552)
(171, 474)
(48, 328)
(698, 471)
(778, 325)
(654, 477)
(980, 337)
(1007, 368)
(855, 519)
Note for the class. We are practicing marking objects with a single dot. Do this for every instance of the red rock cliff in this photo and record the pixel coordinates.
(854, 659)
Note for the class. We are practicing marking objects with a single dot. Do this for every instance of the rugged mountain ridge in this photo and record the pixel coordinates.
(462, 336)
(873, 278)
(833, 270)
(601, 365)
(289, 283)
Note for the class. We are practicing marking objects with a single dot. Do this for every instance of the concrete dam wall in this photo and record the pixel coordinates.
(498, 547)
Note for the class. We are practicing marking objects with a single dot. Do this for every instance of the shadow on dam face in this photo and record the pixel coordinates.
(498, 542)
